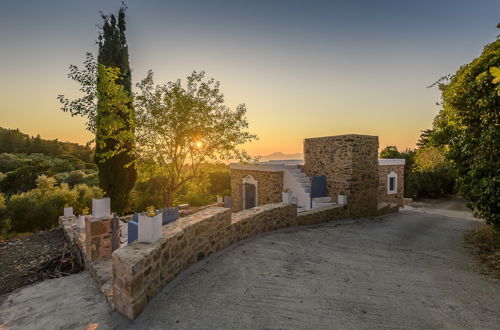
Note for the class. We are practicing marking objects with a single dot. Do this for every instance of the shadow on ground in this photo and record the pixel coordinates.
(408, 270)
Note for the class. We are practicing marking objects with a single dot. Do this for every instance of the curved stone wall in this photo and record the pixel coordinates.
(141, 270)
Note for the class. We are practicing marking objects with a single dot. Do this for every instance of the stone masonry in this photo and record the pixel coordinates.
(270, 187)
(350, 164)
(396, 198)
(99, 238)
(141, 270)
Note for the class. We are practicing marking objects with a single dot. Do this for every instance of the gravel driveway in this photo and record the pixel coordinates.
(405, 271)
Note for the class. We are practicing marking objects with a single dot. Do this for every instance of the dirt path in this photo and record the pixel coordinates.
(406, 271)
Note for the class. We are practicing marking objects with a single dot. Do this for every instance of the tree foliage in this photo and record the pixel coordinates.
(16, 142)
(86, 105)
(182, 126)
(427, 172)
(468, 125)
(107, 104)
(390, 152)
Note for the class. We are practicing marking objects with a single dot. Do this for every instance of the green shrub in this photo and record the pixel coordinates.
(430, 184)
(3, 212)
(39, 208)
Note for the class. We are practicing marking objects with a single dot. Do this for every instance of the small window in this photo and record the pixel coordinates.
(392, 183)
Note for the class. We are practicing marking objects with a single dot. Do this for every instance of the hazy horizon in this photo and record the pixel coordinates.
(303, 70)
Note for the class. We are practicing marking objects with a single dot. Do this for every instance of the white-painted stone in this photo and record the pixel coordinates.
(149, 228)
(101, 208)
(68, 211)
(81, 222)
(342, 199)
(287, 197)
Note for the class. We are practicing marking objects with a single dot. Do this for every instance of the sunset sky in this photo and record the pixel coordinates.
(303, 68)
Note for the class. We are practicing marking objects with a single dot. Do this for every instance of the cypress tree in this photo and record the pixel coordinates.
(117, 174)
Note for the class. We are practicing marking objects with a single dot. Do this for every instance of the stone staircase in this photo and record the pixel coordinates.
(300, 184)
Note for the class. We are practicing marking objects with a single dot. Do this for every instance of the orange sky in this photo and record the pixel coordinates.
(302, 71)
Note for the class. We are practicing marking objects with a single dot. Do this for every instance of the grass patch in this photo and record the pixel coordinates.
(487, 241)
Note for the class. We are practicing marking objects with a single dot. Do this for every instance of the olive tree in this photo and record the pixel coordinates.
(180, 126)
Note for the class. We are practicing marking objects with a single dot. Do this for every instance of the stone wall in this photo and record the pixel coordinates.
(141, 270)
(99, 237)
(261, 219)
(270, 187)
(350, 164)
(322, 214)
(396, 198)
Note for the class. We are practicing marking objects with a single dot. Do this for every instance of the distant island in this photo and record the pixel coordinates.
(281, 156)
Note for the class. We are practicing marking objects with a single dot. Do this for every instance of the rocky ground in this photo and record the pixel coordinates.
(28, 259)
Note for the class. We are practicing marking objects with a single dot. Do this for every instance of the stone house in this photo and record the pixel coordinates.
(342, 169)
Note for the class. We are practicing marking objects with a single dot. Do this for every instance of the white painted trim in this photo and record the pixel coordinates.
(250, 180)
(392, 161)
(258, 167)
(389, 176)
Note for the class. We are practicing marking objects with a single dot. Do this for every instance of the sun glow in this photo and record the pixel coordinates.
(198, 144)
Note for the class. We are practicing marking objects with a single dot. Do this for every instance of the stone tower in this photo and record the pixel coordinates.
(350, 164)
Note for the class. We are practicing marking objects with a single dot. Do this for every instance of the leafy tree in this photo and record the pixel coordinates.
(390, 152)
(115, 123)
(468, 125)
(179, 127)
(220, 182)
(108, 106)
(430, 159)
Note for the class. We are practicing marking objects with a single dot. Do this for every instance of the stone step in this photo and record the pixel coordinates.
(300, 175)
(294, 170)
(301, 209)
(322, 199)
(316, 205)
(290, 166)
(303, 179)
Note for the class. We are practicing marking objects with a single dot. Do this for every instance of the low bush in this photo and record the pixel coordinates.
(433, 184)
(39, 208)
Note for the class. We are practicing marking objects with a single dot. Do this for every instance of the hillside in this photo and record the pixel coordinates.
(16, 142)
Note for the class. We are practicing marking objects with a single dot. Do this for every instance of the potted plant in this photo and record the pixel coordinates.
(287, 196)
(149, 226)
(81, 218)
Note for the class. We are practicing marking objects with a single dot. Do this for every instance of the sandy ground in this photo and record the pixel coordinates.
(405, 271)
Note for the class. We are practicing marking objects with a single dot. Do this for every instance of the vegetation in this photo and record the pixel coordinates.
(427, 172)
(15, 142)
(108, 106)
(39, 208)
(468, 129)
(214, 180)
(115, 114)
(27, 161)
(180, 127)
